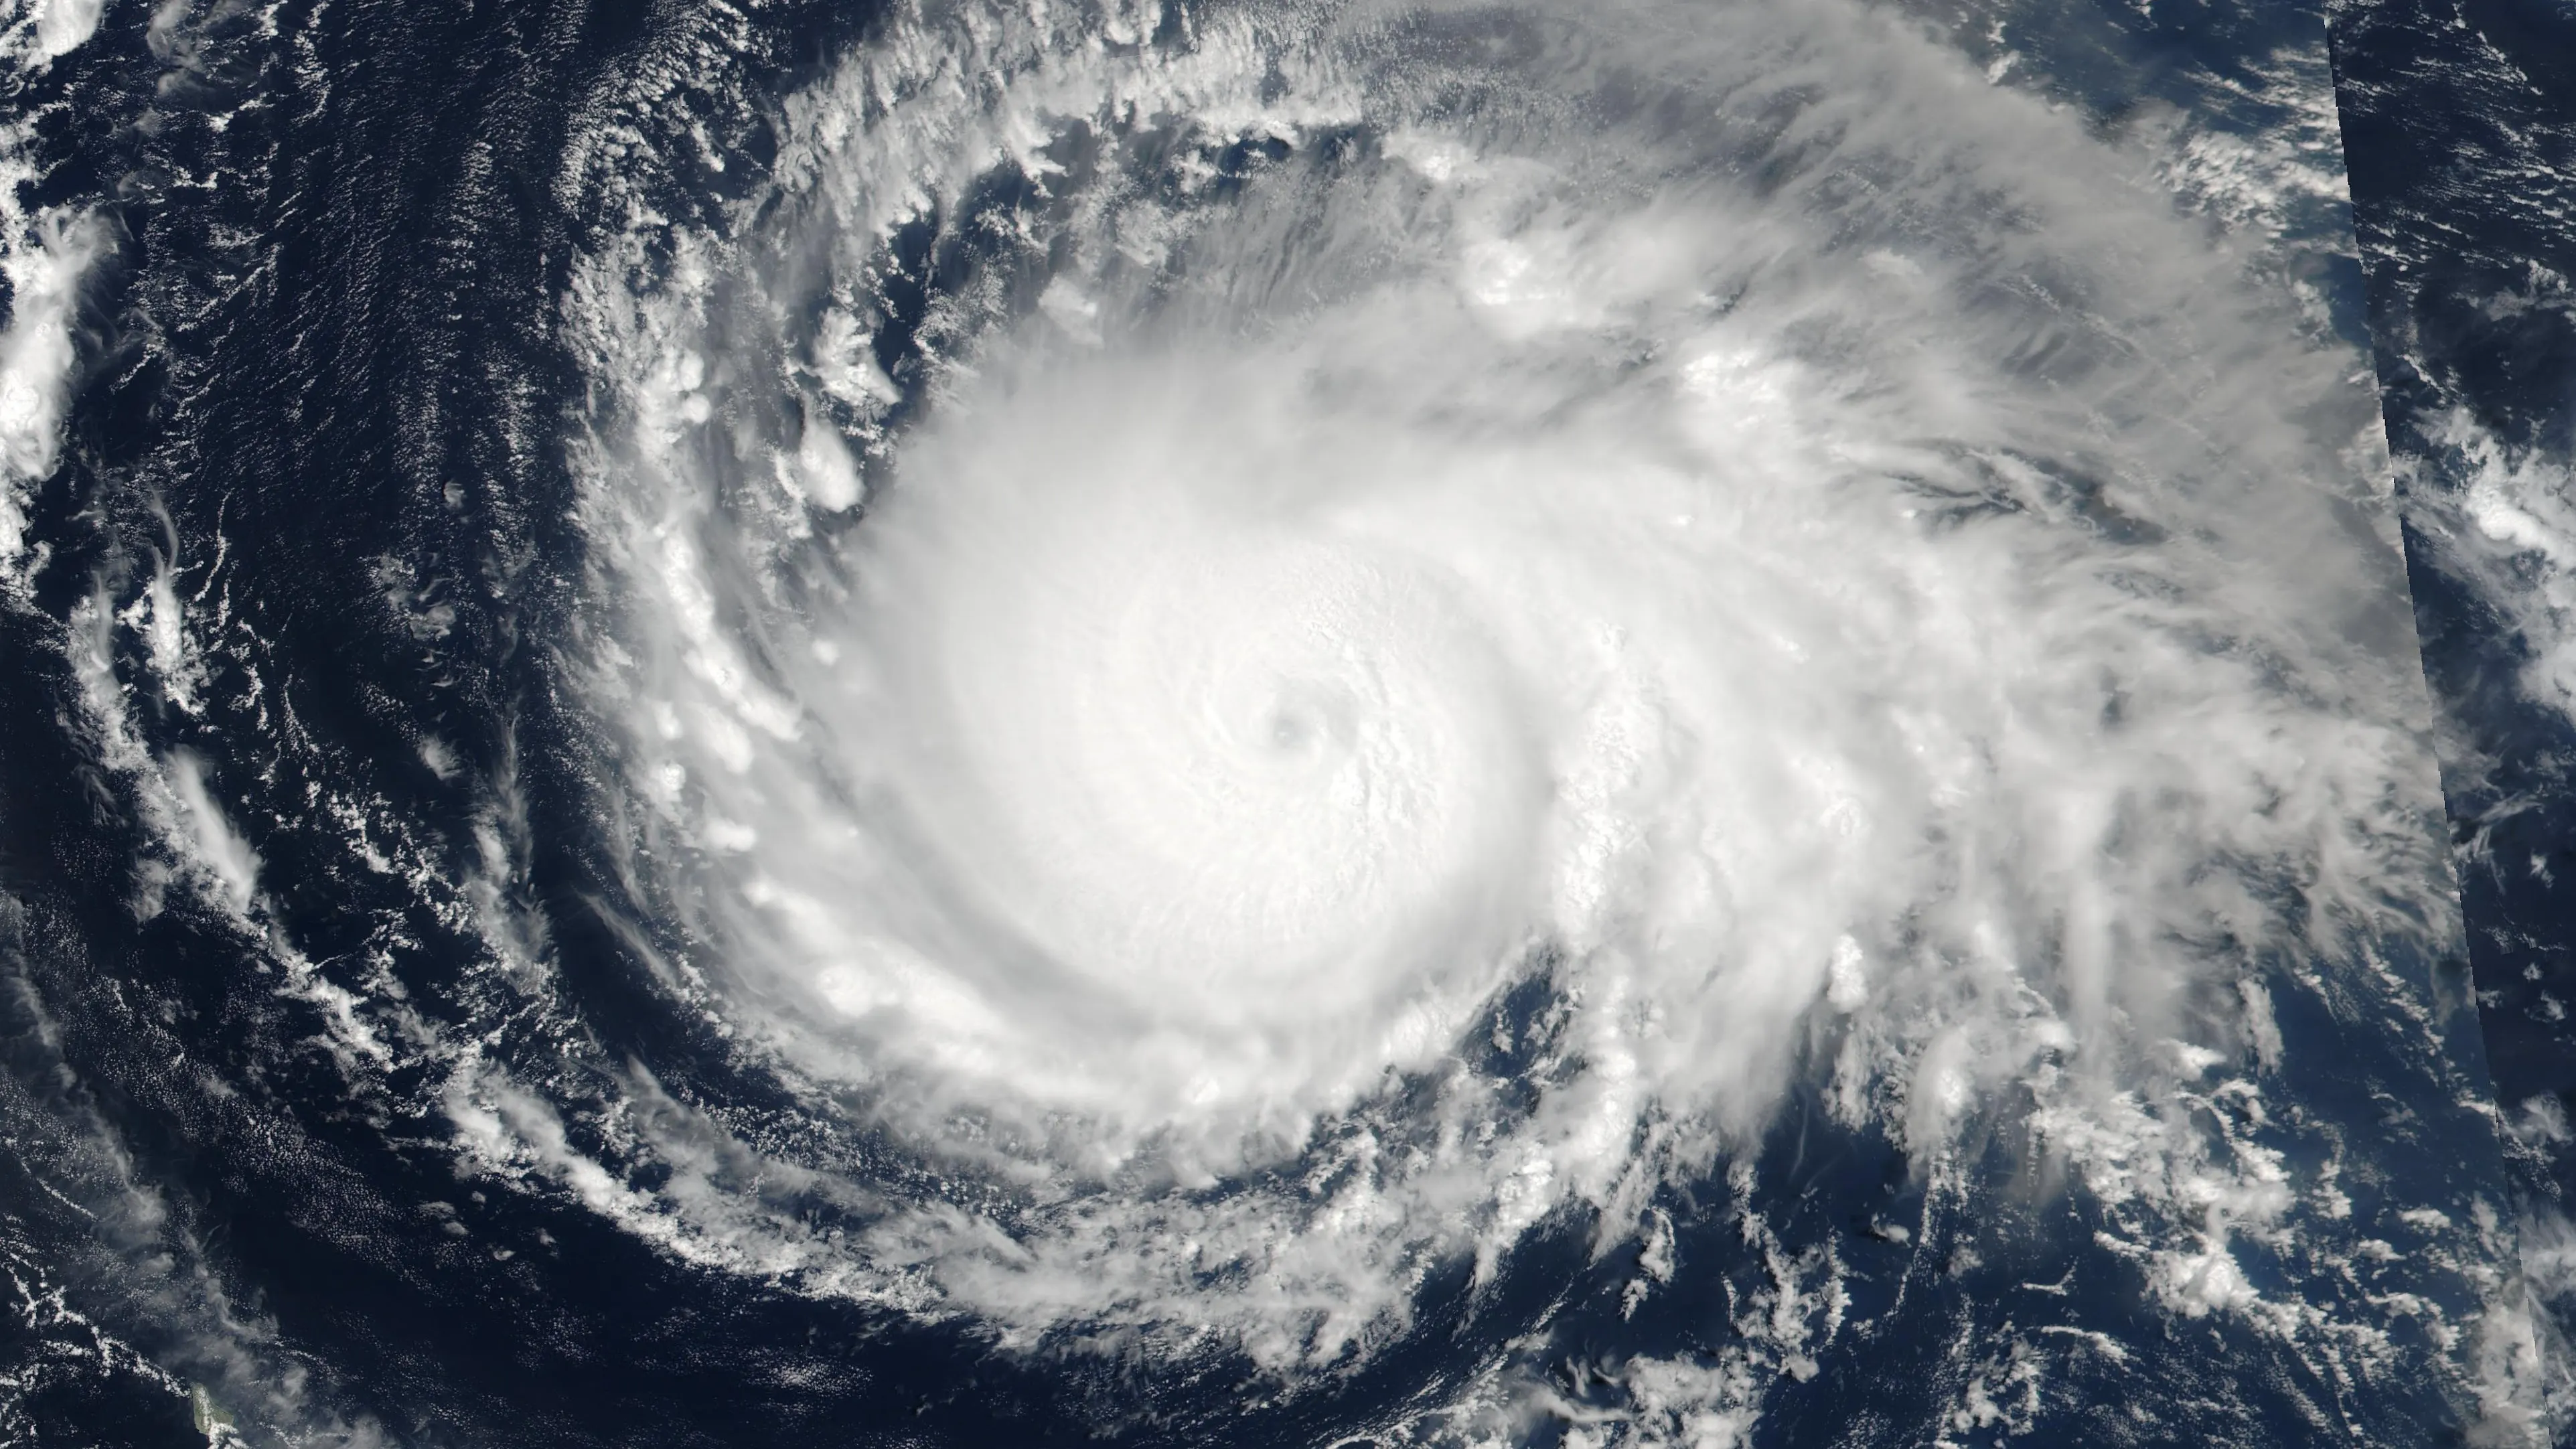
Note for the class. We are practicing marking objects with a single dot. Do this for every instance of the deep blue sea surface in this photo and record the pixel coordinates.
(1192, 724)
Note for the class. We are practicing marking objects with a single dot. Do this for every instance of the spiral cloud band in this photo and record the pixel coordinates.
(1278, 644)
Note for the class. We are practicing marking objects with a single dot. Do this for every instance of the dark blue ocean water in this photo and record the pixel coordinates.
(319, 362)
(2456, 119)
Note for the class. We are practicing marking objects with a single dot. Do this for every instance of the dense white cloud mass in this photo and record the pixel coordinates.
(1720, 513)
(45, 255)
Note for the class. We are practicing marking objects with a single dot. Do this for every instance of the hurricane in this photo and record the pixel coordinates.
(1373, 541)
(1283, 722)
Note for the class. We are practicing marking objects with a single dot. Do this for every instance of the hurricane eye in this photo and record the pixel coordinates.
(1310, 720)
(1293, 730)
